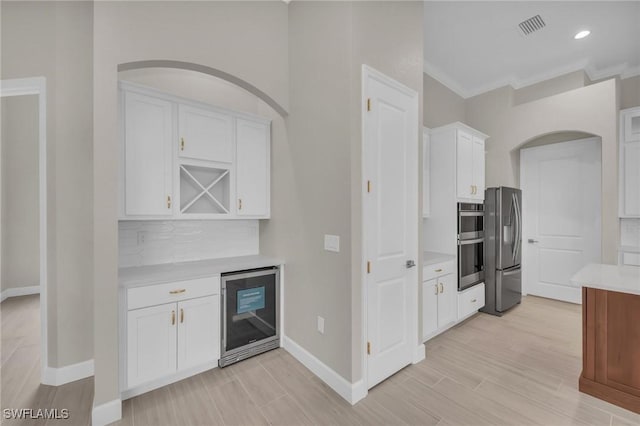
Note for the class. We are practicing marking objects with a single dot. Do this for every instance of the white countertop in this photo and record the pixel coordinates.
(620, 278)
(432, 257)
(155, 274)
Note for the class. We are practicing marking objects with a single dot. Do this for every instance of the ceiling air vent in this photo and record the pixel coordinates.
(531, 25)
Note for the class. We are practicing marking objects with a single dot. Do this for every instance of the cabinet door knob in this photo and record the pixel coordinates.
(168, 201)
(181, 315)
(474, 300)
(436, 288)
(239, 203)
(181, 144)
(441, 288)
(173, 317)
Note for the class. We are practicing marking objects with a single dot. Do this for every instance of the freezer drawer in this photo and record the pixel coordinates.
(508, 288)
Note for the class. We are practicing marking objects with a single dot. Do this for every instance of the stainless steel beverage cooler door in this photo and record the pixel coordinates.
(508, 288)
(510, 228)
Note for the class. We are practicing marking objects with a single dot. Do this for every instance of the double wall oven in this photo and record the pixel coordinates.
(470, 245)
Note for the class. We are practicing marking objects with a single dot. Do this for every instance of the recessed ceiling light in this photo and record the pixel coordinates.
(582, 34)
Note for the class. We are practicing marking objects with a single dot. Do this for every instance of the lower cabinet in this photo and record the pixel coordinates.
(167, 338)
(439, 309)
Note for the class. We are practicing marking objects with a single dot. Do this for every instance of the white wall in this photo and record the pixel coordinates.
(54, 40)
(591, 109)
(20, 201)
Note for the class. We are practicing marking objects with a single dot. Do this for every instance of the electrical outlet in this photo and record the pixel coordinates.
(320, 325)
(332, 243)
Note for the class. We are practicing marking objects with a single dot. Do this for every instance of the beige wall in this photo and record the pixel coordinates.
(245, 39)
(591, 109)
(54, 40)
(20, 201)
(441, 104)
(317, 176)
(630, 92)
(553, 86)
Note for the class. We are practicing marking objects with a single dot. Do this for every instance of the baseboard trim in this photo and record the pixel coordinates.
(106, 413)
(419, 355)
(70, 373)
(351, 392)
(19, 291)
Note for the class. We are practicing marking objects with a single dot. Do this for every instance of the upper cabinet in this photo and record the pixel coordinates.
(205, 135)
(629, 192)
(185, 160)
(148, 156)
(469, 166)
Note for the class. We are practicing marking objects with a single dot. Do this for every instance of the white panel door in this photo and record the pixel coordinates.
(252, 170)
(561, 212)
(478, 168)
(198, 331)
(391, 215)
(430, 290)
(148, 157)
(151, 343)
(447, 300)
(464, 165)
(631, 178)
(205, 135)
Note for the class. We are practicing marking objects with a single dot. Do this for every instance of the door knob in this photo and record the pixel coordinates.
(410, 264)
(532, 241)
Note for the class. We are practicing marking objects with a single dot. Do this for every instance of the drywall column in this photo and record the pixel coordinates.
(247, 40)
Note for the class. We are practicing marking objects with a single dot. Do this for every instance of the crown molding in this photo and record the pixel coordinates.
(622, 70)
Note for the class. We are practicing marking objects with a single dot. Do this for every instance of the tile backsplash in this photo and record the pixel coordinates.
(630, 232)
(155, 242)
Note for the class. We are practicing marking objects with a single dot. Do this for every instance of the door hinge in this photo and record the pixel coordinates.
(368, 348)
(368, 267)
(368, 104)
(368, 186)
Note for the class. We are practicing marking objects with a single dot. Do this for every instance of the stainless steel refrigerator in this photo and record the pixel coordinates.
(503, 249)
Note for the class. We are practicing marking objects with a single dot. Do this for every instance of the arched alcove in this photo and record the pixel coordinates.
(166, 63)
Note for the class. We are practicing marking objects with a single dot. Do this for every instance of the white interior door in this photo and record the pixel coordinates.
(391, 214)
(561, 211)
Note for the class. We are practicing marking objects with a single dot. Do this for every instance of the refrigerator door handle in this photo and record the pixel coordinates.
(519, 226)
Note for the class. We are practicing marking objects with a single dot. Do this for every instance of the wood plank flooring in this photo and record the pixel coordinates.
(521, 369)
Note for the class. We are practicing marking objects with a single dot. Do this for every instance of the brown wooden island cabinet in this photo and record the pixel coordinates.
(611, 334)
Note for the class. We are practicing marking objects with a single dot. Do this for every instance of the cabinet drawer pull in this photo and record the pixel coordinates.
(181, 315)
(182, 290)
(438, 270)
(474, 300)
(173, 317)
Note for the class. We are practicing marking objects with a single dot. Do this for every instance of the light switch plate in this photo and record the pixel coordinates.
(332, 243)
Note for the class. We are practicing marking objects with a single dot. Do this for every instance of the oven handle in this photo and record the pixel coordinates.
(473, 213)
(467, 242)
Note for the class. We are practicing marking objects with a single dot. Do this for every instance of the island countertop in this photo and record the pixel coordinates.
(620, 278)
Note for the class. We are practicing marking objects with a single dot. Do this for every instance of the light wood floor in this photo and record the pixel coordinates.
(521, 369)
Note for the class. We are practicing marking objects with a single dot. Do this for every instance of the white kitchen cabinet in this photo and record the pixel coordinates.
(426, 173)
(147, 180)
(470, 301)
(198, 331)
(439, 299)
(205, 135)
(169, 329)
(186, 160)
(470, 166)
(252, 171)
(478, 168)
(629, 178)
(151, 343)
(464, 157)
